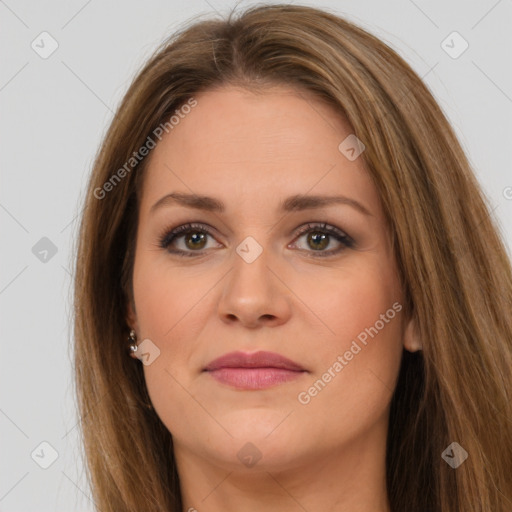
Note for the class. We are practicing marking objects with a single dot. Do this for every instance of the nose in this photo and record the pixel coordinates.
(255, 293)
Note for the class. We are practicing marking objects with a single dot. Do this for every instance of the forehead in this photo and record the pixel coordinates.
(236, 144)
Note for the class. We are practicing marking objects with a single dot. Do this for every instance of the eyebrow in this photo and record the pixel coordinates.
(292, 203)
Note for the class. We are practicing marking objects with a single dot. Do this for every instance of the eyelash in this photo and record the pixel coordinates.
(168, 237)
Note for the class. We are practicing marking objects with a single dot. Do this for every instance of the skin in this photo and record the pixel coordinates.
(252, 151)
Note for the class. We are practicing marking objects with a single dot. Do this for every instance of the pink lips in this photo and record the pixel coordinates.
(258, 370)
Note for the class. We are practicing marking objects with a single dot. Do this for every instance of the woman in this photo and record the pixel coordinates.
(289, 292)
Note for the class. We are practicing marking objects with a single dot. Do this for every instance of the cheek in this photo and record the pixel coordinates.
(174, 306)
(170, 306)
(168, 298)
(359, 351)
(343, 304)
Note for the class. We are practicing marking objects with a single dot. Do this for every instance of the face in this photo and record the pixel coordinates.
(314, 283)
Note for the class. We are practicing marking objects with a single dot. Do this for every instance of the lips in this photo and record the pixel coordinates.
(255, 360)
(255, 371)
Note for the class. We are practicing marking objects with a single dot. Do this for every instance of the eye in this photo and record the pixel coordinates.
(319, 236)
(193, 239)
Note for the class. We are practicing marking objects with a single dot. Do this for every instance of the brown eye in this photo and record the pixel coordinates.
(194, 238)
(318, 238)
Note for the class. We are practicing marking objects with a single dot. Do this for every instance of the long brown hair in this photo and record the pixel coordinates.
(456, 275)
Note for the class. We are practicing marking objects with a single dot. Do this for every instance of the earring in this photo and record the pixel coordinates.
(132, 338)
(133, 342)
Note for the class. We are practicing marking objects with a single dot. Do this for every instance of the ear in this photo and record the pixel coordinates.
(131, 316)
(411, 340)
(131, 320)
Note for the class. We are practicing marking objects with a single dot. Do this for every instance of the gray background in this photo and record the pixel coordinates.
(54, 112)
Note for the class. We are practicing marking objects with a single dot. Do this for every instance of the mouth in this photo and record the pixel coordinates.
(254, 378)
(254, 371)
